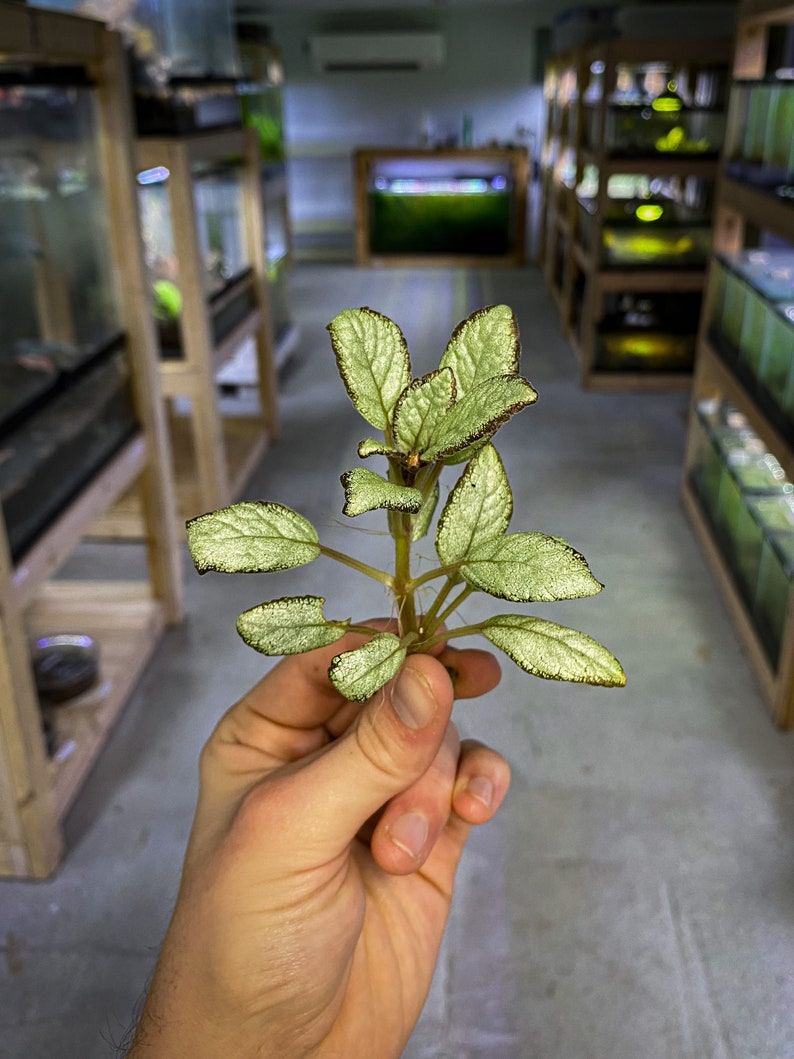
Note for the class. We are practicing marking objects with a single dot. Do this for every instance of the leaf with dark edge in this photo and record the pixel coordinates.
(372, 357)
(482, 346)
(481, 412)
(372, 447)
(252, 537)
(367, 491)
(289, 626)
(420, 408)
(478, 508)
(554, 652)
(358, 674)
(529, 568)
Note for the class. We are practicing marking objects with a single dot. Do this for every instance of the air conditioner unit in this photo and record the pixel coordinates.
(331, 52)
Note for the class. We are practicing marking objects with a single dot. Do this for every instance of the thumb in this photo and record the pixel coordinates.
(392, 743)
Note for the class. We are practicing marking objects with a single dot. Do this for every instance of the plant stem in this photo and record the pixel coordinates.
(451, 634)
(429, 617)
(356, 564)
(403, 585)
(464, 593)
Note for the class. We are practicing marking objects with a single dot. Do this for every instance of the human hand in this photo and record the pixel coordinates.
(320, 867)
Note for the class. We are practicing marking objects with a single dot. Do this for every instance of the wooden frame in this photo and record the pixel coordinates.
(365, 159)
(739, 207)
(577, 264)
(214, 455)
(127, 618)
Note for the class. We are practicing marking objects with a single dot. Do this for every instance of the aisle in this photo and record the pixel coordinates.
(633, 900)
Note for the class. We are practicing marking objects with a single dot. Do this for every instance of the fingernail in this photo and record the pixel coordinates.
(409, 833)
(413, 701)
(481, 788)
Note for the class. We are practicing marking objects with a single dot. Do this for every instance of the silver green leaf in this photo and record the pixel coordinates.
(484, 345)
(421, 521)
(289, 626)
(251, 537)
(478, 508)
(373, 447)
(360, 673)
(367, 491)
(479, 414)
(554, 652)
(529, 568)
(420, 409)
(372, 357)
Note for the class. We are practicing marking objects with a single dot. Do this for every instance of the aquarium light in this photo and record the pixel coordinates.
(648, 211)
(158, 175)
(668, 102)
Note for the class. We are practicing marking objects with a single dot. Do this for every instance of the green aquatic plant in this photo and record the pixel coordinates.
(447, 417)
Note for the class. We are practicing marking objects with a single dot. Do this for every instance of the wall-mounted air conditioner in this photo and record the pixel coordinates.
(332, 52)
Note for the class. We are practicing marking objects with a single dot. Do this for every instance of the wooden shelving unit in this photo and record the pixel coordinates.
(582, 147)
(514, 162)
(742, 216)
(126, 618)
(214, 453)
(559, 168)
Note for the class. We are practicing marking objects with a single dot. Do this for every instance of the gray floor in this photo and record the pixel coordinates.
(634, 899)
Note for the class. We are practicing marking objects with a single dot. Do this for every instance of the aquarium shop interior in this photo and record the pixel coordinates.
(190, 192)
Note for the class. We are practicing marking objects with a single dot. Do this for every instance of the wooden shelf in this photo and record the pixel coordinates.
(740, 211)
(126, 618)
(581, 276)
(127, 623)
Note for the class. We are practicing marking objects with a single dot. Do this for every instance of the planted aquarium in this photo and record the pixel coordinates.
(649, 222)
(656, 108)
(218, 203)
(647, 331)
(61, 372)
(423, 206)
(772, 600)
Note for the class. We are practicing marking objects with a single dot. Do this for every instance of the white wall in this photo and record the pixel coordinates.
(489, 74)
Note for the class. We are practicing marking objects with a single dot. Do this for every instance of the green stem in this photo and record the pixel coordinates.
(356, 564)
(431, 575)
(451, 634)
(430, 614)
(465, 592)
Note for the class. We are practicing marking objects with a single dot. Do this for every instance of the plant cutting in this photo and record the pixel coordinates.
(446, 418)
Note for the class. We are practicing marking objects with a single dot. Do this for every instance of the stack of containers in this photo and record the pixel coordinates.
(749, 502)
(752, 322)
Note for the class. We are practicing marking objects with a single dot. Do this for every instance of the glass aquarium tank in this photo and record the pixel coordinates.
(261, 89)
(760, 149)
(65, 403)
(772, 600)
(656, 108)
(648, 332)
(184, 58)
(650, 222)
(218, 202)
(455, 206)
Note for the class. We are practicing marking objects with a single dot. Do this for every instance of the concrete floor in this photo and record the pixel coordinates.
(633, 900)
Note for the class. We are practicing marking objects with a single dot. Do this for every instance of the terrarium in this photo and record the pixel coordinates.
(424, 206)
(649, 221)
(657, 109)
(218, 203)
(65, 403)
(184, 58)
(261, 89)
